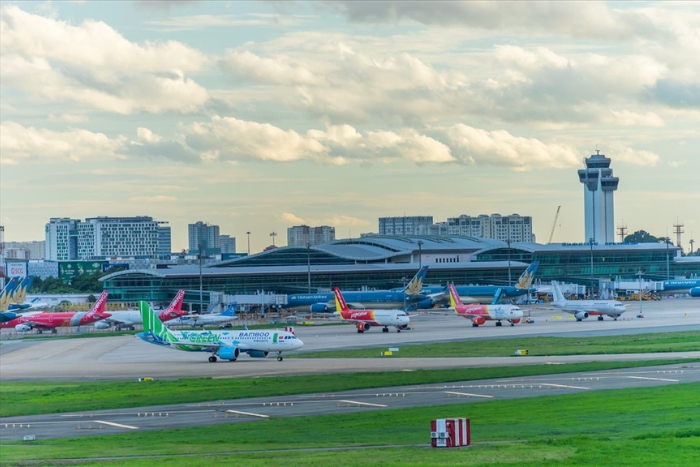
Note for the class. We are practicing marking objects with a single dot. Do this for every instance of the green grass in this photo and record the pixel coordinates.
(20, 398)
(645, 426)
(636, 343)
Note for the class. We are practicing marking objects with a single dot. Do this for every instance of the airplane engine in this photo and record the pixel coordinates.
(319, 308)
(515, 321)
(101, 325)
(362, 327)
(229, 353)
(404, 327)
(695, 292)
(478, 321)
(23, 328)
(257, 354)
(581, 315)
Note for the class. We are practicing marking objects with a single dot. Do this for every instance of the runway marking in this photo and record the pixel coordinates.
(563, 386)
(118, 425)
(363, 403)
(653, 379)
(468, 394)
(248, 413)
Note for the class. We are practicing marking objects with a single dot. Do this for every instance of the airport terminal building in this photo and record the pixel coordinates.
(384, 262)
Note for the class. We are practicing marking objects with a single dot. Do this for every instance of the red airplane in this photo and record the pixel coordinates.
(44, 321)
(478, 314)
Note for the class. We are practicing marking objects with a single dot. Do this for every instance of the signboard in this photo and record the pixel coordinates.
(16, 270)
(67, 270)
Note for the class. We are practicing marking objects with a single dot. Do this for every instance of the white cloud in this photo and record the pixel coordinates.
(293, 218)
(148, 136)
(19, 143)
(154, 199)
(93, 64)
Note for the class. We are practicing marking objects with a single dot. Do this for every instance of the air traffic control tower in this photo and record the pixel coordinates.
(599, 207)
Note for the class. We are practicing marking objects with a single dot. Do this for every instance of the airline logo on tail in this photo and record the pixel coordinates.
(99, 307)
(176, 304)
(6, 295)
(525, 280)
(154, 326)
(414, 287)
(19, 295)
(340, 304)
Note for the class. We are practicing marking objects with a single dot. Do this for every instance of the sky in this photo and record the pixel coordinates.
(258, 116)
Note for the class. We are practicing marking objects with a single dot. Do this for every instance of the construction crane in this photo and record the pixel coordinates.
(556, 216)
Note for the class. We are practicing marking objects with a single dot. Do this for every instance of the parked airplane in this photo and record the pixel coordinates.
(485, 293)
(196, 319)
(19, 295)
(479, 314)
(681, 286)
(128, 318)
(223, 344)
(409, 296)
(43, 321)
(581, 309)
(5, 299)
(364, 319)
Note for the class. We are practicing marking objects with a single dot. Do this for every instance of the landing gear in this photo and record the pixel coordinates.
(397, 330)
(498, 323)
(512, 323)
(39, 331)
(212, 359)
(474, 325)
(385, 329)
(54, 331)
(600, 318)
(279, 356)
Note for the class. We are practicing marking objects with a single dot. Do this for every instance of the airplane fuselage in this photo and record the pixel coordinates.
(384, 318)
(205, 341)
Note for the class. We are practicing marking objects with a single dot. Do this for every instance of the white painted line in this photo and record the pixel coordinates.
(567, 386)
(467, 394)
(364, 403)
(248, 413)
(118, 425)
(653, 379)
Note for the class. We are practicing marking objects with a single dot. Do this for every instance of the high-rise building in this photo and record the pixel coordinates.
(201, 234)
(302, 235)
(61, 237)
(405, 225)
(105, 237)
(227, 243)
(599, 206)
(514, 227)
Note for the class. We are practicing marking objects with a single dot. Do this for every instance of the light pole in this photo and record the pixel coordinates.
(510, 282)
(308, 264)
(668, 273)
(248, 234)
(273, 234)
(420, 254)
(590, 240)
(201, 293)
(639, 273)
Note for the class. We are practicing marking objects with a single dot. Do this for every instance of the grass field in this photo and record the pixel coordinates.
(636, 343)
(638, 427)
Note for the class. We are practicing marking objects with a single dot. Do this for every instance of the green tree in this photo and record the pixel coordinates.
(642, 236)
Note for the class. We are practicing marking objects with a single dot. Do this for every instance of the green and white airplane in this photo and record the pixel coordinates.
(223, 344)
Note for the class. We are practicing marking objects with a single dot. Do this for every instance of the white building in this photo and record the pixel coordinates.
(106, 237)
(227, 243)
(405, 225)
(301, 235)
(514, 227)
(201, 234)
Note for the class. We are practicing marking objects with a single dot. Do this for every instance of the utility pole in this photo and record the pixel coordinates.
(248, 234)
(590, 240)
(201, 293)
(308, 264)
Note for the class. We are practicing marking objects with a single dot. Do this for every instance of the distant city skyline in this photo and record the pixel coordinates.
(260, 116)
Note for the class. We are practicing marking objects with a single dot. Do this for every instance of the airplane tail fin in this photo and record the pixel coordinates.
(98, 308)
(176, 304)
(556, 293)
(230, 310)
(414, 287)
(20, 293)
(340, 304)
(455, 301)
(497, 297)
(152, 324)
(526, 278)
(6, 294)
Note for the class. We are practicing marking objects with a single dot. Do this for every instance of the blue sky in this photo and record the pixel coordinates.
(257, 116)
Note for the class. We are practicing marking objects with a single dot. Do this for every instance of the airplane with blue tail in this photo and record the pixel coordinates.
(6, 300)
(681, 286)
(486, 293)
(197, 319)
(410, 297)
(227, 345)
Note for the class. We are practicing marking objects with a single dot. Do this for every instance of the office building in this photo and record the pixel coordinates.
(405, 225)
(204, 236)
(302, 235)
